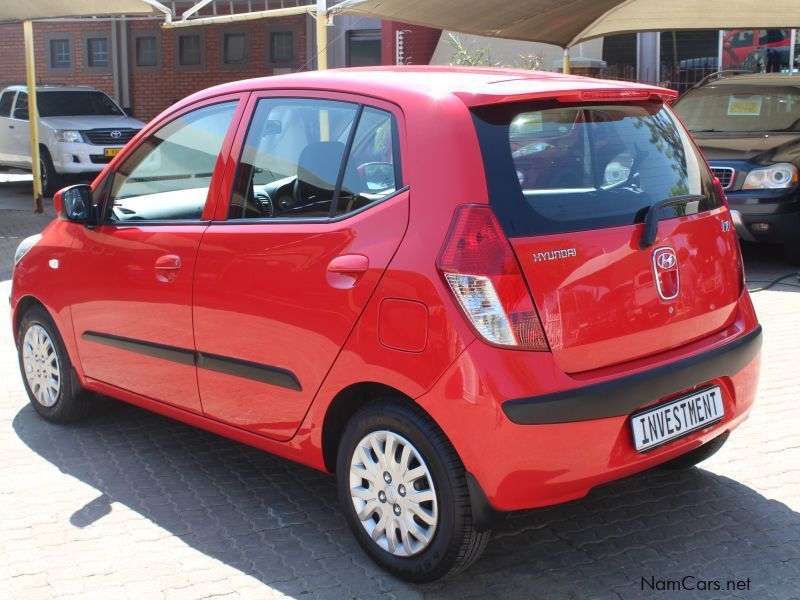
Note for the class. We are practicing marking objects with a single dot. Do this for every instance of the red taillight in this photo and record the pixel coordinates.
(480, 268)
(720, 191)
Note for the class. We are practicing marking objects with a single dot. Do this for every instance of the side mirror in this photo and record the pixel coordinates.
(272, 127)
(128, 111)
(377, 176)
(74, 203)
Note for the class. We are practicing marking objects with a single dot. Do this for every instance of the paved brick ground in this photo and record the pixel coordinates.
(131, 505)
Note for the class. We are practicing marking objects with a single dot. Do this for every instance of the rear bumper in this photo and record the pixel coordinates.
(620, 397)
(547, 449)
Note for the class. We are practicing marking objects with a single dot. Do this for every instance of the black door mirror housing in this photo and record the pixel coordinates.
(74, 203)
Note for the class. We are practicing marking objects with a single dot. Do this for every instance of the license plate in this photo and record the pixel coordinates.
(112, 151)
(666, 422)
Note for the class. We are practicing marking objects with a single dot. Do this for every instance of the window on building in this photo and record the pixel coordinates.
(281, 46)
(364, 48)
(146, 51)
(190, 50)
(60, 55)
(6, 101)
(97, 52)
(234, 48)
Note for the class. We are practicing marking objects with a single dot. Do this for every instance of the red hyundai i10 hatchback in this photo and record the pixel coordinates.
(464, 291)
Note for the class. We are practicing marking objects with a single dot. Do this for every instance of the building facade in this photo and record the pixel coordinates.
(146, 67)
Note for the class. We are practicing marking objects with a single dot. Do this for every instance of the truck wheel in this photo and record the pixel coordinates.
(52, 387)
(404, 493)
(51, 181)
(791, 252)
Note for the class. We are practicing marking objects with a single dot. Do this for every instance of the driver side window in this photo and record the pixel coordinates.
(306, 158)
(168, 175)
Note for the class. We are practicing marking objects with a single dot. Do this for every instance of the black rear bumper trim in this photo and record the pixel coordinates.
(623, 396)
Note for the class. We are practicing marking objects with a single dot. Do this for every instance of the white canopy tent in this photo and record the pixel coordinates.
(566, 23)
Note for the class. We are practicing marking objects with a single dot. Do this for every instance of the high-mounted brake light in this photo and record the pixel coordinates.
(616, 95)
(482, 272)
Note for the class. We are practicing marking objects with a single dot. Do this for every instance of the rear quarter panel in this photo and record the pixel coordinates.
(443, 168)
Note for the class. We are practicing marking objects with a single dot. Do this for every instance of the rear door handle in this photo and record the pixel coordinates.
(345, 271)
(349, 264)
(167, 267)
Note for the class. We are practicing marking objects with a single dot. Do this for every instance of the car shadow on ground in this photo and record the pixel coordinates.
(278, 521)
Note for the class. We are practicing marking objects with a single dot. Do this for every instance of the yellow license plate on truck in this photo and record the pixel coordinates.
(112, 151)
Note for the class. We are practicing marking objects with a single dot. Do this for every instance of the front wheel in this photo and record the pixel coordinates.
(404, 493)
(791, 252)
(51, 180)
(47, 371)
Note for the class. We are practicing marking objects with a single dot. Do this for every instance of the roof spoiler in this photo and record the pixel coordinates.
(611, 94)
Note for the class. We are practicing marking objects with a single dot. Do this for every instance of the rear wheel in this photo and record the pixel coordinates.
(404, 493)
(698, 455)
(52, 388)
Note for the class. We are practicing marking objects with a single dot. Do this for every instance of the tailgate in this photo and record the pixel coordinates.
(597, 295)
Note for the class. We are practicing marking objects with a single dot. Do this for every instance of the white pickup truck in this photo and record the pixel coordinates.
(80, 130)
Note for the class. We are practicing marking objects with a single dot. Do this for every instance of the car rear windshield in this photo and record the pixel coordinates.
(75, 104)
(554, 168)
(741, 109)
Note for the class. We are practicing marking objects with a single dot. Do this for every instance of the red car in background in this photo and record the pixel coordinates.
(749, 48)
(464, 291)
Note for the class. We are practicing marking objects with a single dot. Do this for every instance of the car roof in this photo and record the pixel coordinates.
(474, 85)
(766, 79)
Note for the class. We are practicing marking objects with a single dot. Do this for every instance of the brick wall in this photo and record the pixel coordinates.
(151, 91)
(419, 43)
(12, 55)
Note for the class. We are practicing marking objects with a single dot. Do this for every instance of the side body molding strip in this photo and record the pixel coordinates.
(212, 362)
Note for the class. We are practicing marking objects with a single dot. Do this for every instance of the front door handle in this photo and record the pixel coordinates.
(344, 271)
(167, 267)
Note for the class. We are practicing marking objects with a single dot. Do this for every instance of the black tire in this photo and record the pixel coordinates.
(455, 544)
(698, 455)
(51, 181)
(791, 252)
(71, 402)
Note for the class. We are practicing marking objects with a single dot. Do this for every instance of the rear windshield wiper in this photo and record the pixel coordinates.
(651, 218)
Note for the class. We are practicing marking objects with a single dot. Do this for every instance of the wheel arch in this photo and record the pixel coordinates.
(23, 306)
(345, 404)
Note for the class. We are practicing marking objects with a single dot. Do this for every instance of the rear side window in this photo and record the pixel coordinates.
(21, 107)
(6, 100)
(552, 168)
(314, 159)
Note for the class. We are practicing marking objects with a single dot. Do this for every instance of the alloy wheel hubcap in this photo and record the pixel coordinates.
(41, 365)
(393, 493)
